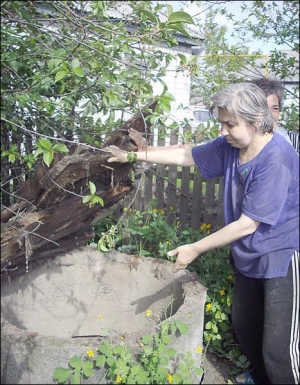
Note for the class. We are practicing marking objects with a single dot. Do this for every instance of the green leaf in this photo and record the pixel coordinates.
(180, 17)
(179, 28)
(38, 151)
(60, 75)
(101, 245)
(48, 157)
(103, 349)
(92, 188)
(61, 375)
(136, 369)
(45, 143)
(86, 199)
(87, 368)
(11, 158)
(60, 147)
(78, 71)
(164, 361)
(52, 63)
(142, 378)
(76, 362)
(117, 349)
(150, 15)
(100, 361)
(171, 352)
(182, 327)
(182, 58)
(167, 339)
(75, 63)
(147, 339)
(98, 200)
(76, 378)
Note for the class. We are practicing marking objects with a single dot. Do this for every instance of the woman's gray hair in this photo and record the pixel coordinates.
(247, 102)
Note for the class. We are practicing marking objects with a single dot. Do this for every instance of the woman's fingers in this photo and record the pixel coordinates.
(118, 155)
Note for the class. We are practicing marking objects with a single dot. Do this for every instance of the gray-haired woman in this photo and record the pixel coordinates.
(261, 211)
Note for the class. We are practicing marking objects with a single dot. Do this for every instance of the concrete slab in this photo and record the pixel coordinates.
(73, 303)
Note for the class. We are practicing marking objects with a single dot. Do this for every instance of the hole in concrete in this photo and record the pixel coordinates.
(88, 293)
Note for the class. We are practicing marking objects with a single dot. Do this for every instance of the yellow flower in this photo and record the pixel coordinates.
(230, 277)
(162, 211)
(171, 208)
(125, 209)
(205, 226)
(148, 312)
(90, 353)
(100, 317)
(155, 211)
(189, 315)
(208, 306)
(222, 292)
(119, 379)
(199, 350)
(170, 379)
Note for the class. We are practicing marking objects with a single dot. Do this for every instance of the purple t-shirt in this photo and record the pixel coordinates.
(265, 189)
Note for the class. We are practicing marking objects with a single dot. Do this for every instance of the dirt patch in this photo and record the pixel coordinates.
(217, 370)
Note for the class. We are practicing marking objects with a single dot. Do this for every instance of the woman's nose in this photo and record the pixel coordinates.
(223, 131)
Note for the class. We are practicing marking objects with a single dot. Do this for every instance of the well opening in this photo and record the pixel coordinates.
(70, 304)
(88, 293)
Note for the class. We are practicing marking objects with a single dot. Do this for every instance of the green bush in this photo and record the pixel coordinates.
(148, 366)
(149, 234)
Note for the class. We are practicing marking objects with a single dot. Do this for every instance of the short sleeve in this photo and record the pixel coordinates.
(267, 193)
(209, 158)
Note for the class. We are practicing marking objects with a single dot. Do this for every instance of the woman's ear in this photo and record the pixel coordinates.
(258, 122)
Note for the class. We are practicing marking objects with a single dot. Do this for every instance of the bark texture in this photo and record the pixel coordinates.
(49, 217)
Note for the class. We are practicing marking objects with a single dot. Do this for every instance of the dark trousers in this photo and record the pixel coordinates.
(265, 319)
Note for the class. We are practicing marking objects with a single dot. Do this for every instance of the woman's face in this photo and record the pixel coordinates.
(273, 104)
(237, 133)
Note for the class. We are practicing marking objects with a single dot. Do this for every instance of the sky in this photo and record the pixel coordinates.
(235, 8)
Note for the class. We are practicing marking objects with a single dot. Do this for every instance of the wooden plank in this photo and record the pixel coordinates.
(185, 196)
(197, 198)
(148, 189)
(160, 186)
(209, 201)
(171, 194)
(172, 184)
(220, 207)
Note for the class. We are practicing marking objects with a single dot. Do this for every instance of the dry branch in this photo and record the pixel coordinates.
(49, 217)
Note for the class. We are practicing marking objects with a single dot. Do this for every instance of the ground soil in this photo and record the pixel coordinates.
(217, 370)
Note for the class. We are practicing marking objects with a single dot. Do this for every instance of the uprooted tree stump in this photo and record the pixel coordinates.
(49, 217)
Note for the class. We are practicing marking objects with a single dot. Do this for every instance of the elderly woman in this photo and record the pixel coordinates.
(261, 211)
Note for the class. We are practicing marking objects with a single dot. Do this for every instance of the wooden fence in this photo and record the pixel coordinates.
(181, 191)
(184, 195)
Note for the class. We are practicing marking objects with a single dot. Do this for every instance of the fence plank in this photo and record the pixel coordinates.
(197, 200)
(148, 189)
(171, 193)
(220, 207)
(209, 200)
(185, 196)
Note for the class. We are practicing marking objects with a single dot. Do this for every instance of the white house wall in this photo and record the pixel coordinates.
(178, 82)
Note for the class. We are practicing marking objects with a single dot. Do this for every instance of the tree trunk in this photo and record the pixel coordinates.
(49, 217)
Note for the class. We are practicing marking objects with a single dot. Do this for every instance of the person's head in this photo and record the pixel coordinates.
(243, 112)
(274, 92)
